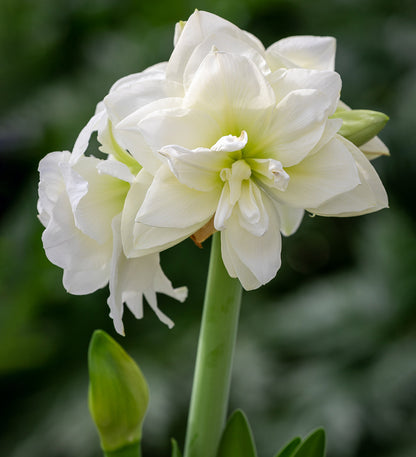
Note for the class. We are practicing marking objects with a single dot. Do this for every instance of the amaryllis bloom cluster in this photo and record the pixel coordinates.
(226, 136)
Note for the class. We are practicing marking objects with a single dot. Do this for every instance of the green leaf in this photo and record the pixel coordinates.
(359, 125)
(237, 439)
(290, 448)
(175, 449)
(313, 446)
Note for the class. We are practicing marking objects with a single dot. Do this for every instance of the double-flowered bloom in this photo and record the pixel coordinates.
(226, 136)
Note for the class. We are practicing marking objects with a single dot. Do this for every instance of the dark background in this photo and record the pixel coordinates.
(330, 342)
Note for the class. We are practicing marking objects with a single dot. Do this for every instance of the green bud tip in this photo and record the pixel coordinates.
(360, 126)
(118, 393)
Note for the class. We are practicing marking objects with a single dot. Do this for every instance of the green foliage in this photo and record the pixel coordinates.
(312, 446)
(289, 449)
(237, 439)
(175, 449)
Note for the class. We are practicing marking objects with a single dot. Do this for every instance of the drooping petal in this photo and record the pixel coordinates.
(367, 197)
(253, 216)
(83, 282)
(259, 254)
(130, 279)
(374, 148)
(236, 268)
(319, 177)
(306, 51)
(169, 203)
(290, 218)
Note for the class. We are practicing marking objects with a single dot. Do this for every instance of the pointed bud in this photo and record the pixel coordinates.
(359, 125)
(118, 393)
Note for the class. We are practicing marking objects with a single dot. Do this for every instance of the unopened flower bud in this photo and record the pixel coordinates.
(118, 393)
(359, 125)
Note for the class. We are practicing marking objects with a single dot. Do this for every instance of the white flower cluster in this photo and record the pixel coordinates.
(226, 136)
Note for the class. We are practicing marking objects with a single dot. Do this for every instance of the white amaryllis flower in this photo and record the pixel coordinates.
(226, 136)
(245, 154)
(80, 206)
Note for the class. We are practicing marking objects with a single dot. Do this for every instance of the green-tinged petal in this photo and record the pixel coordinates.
(169, 203)
(296, 127)
(131, 138)
(360, 126)
(313, 445)
(233, 90)
(118, 393)
(320, 177)
(237, 439)
(96, 123)
(289, 449)
(313, 52)
(110, 146)
(367, 197)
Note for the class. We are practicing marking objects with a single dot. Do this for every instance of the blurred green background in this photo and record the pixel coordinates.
(330, 342)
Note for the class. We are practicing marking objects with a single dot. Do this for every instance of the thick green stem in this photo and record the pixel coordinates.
(212, 376)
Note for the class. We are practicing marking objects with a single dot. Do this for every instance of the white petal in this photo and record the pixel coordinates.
(95, 198)
(367, 197)
(328, 82)
(233, 90)
(374, 148)
(259, 254)
(253, 216)
(224, 42)
(189, 128)
(132, 278)
(51, 183)
(198, 27)
(139, 239)
(290, 218)
(67, 247)
(313, 52)
(296, 127)
(83, 282)
(235, 267)
(97, 122)
(329, 172)
(169, 203)
(199, 168)
(115, 169)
